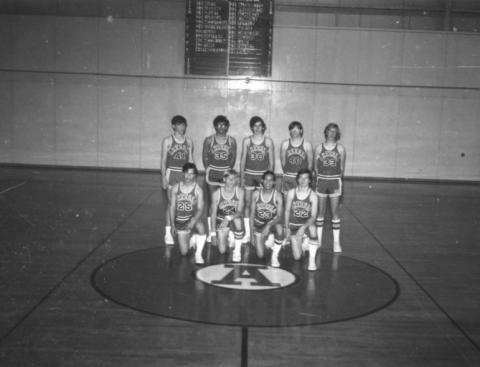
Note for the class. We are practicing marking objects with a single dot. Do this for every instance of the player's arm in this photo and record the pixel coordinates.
(288, 207)
(200, 205)
(190, 150)
(172, 208)
(314, 202)
(343, 156)
(283, 153)
(241, 202)
(271, 154)
(206, 148)
(234, 150)
(253, 207)
(243, 159)
(279, 204)
(309, 151)
(214, 206)
(318, 149)
(166, 143)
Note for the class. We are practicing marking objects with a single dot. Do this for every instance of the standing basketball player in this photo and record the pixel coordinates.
(295, 153)
(177, 150)
(227, 209)
(330, 167)
(186, 206)
(265, 218)
(258, 156)
(300, 213)
(219, 154)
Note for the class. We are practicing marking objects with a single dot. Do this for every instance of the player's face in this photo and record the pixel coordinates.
(304, 180)
(332, 133)
(180, 128)
(296, 132)
(257, 128)
(230, 181)
(190, 175)
(221, 128)
(268, 182)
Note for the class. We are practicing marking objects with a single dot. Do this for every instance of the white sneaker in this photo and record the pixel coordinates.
(336, 247)
(270, 241)
(305, 242)
(246, 238)
(199, 259)
(193, 241)
(210, 235)
(231, 239)
(237, 257)
(312, 266)
(275, 262)
(168, 238)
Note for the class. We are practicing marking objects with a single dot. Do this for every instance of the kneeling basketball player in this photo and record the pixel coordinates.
(186, 206)
(300, 214)
(227, 209)
(265, 218)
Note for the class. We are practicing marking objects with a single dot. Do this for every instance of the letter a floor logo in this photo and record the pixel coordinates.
(245, 276)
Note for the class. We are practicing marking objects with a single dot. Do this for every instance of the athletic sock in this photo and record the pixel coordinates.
(319, 224)
(200, 243)
(336, 235)
(312, 250)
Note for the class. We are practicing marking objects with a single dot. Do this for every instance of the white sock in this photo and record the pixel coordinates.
(201, 238)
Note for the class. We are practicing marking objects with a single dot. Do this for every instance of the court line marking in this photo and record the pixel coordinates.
(420, 286)
(13, 187)
(74, 269)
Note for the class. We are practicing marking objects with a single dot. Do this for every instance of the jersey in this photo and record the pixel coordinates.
(227, 205)
(177, 155)
(185, 204)
(265, 210)
(257, 158)
(220, 156)
(295, 159)
(300, 210)
(329, 163)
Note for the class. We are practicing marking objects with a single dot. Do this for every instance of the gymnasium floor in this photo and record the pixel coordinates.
(59, 229)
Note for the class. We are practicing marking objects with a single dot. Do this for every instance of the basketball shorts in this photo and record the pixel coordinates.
(174, 176)
(214, 177)
(288, 183)
(329, 187)
(253, 181)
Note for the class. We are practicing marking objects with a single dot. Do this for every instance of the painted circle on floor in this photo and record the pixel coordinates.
(161, 282)
(247, 277)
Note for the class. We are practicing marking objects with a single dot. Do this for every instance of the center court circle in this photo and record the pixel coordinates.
(160, 281)
(251, 277)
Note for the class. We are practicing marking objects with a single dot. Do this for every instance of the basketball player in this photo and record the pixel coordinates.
(330, 166)
(300, 213)
(177, 150)
(265, 218)
(295, 153)
(227, 209)
(258, 156)
(219, 154)
(186, 206)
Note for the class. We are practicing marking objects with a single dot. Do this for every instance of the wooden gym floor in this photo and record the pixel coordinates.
(58, 227)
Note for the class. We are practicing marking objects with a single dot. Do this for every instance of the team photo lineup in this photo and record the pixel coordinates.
(250, 207)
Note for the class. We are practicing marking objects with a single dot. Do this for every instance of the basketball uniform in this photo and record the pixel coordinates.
(256, 163)
(226, 206)
(265, 210)
(329, 171)
(300, 211)
(296, 159)
(185, 207)
(177, 156)
(219, 159)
